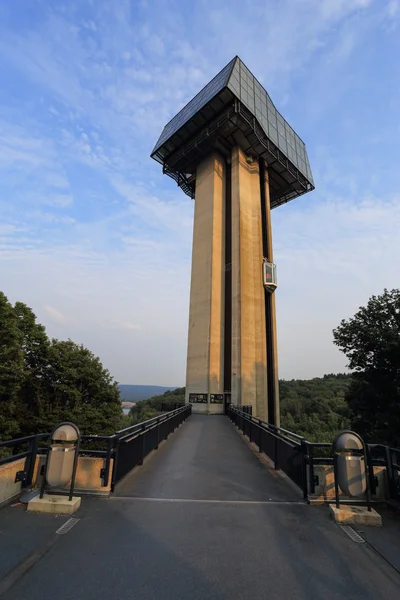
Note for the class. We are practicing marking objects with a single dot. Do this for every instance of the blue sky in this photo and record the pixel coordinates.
(98, 242)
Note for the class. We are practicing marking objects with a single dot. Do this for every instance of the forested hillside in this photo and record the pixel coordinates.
(152, 406)
(315, 408)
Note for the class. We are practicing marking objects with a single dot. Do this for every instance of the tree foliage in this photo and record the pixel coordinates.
(11, 368)
(44, 382)
(371, 342)
(147, 409)
(314, 408)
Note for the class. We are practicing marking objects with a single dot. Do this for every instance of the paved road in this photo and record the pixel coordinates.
(205, 519)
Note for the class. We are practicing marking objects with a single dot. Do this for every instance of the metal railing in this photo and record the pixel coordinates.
(128, 447)
(293, 454)
(377, 455)
(168, 406)
(284, 448)
(25, 447)
(134, 443)
(390, 458)
(246, 408)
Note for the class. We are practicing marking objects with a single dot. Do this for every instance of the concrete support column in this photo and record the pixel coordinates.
(249, 361)
(205, 361)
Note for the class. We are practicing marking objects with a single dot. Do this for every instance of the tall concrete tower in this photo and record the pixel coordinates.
(233, 152)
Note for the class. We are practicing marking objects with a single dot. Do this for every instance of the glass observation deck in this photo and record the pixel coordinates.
(234, 109)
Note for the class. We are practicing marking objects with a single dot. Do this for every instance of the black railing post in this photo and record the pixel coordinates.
(370, 470)
(142, 434)
(30, 461)
(369, 475)
(335, 476)
(43, 472)
(389, 472)
(74, 469)
(158, 434)
(311, 468)
(304, 468)
(115, 465)
(108, 462)
(276, 462)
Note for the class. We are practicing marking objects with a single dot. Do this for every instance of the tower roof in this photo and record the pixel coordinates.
(235, 109)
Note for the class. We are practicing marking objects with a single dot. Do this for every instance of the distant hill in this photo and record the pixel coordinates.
(134, 393)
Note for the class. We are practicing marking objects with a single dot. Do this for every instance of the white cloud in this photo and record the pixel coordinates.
(60, 200)
(331, 258)
(7, 229)
(21, 150)
(393, 8)
(56, 180)
(55, 315)
(333, 9)
(124, 325)
(50, 218)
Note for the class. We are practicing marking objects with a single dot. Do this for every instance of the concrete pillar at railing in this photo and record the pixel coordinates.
(88, 480)
(325, 484)
(9, 488)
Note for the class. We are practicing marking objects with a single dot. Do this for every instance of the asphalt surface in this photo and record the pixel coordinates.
(206, 459)
(21, 533)
(203, 518)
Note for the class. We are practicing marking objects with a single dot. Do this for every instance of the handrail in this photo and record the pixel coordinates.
(253, 426)
(265, 424)
(134, 443)
(285, 449)
(27, 438)
(150, 422)
(107, 453)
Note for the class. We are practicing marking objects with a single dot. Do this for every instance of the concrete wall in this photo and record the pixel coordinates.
(325, 490)
(249, 380)
(8, 488)
(205, 364)
(87, 476)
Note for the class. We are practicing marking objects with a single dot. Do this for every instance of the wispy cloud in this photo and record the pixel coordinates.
(55, 315)
(393, 8)
(124, 325)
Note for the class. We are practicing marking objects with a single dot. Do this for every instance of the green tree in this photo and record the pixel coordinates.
(315, 408)
(11, 369)
(147, 409)
(34, 392)
(44, 382)
(82, 390)
(371, 342)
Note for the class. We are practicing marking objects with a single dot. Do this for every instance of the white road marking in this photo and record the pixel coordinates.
(193, 501)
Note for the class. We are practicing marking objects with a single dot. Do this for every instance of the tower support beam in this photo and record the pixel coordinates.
(249, 361)
(205, 357)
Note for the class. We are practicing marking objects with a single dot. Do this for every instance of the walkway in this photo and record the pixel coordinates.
(203, 518)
